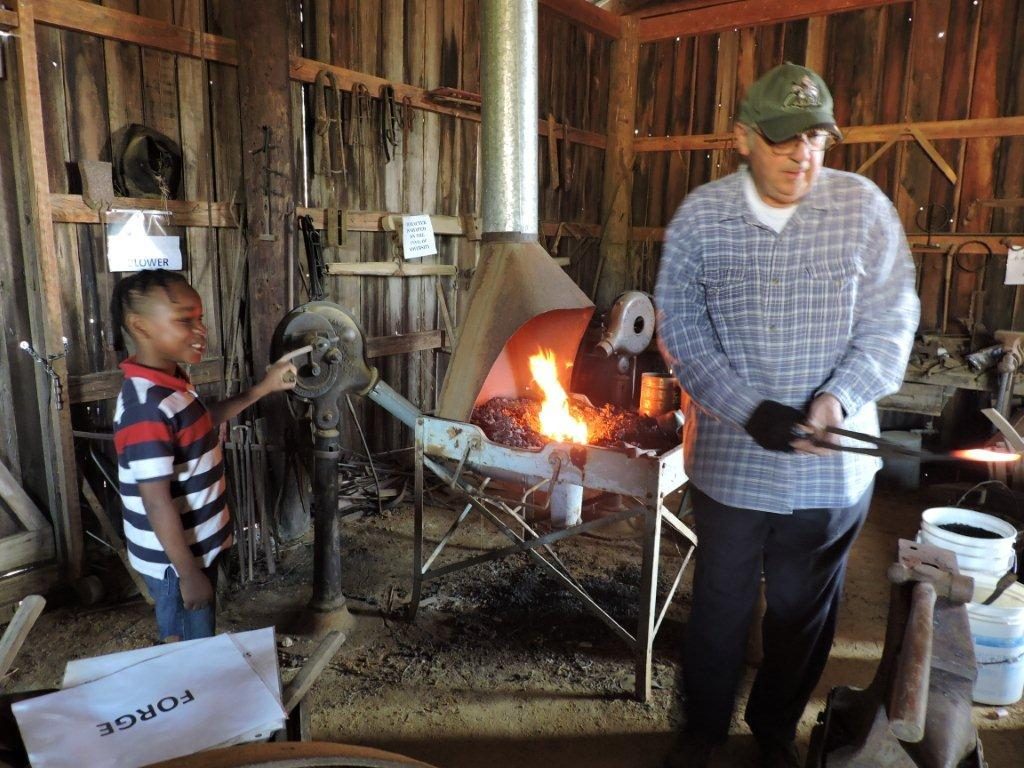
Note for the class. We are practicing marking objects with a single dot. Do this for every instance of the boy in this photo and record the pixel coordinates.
(170, 465)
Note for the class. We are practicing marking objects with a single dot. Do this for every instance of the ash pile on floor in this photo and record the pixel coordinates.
(515, 422)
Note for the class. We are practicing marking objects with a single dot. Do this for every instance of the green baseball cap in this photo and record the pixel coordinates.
(788, 100)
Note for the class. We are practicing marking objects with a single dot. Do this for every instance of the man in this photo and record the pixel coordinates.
(786, 305)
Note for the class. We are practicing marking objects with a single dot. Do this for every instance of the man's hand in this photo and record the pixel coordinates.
(773, 425)
(824, 411)
(196, 590)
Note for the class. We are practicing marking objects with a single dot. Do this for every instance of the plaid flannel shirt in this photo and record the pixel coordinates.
(746, 314)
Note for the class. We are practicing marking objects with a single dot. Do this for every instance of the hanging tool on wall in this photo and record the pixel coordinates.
(391, 122)
(328, 105)
(47, 366)
(554, 174)
(268, 175)
(314, 257)
(568, 171)
(362, 115)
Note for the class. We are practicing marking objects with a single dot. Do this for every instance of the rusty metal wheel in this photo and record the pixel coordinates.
(308, 754)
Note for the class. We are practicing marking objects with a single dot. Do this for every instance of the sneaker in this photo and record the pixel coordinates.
(691, 750)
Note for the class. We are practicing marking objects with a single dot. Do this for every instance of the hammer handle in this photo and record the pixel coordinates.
(908, 704)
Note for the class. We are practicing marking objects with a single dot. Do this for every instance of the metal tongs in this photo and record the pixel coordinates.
(881, 447)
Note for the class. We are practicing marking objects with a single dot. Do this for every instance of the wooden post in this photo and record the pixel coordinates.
(618, 173)
(264, 95)
(46, 309)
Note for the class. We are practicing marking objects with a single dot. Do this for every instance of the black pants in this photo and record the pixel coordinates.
(803, 559)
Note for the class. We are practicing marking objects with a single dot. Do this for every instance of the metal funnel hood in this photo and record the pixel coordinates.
(520, 300)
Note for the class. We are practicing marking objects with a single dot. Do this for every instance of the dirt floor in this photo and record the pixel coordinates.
(502, 668)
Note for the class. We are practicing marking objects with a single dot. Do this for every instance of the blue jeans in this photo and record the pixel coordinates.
(172, 620)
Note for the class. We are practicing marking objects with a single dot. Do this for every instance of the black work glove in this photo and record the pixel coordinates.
(774, 425)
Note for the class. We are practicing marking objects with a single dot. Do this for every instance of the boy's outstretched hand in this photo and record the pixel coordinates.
(280, 376)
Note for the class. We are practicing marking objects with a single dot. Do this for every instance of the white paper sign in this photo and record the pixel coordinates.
(186, 701)
(1015, 265)
(418, 237)
(131, 249)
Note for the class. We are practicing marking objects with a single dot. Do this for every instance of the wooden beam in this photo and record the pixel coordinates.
(48, 319)
(71, 209)
(377, 221)
(305, 71)
(587, 15)
(611, 276)
(37, 581)
(390, 269)
(8, 19)
(20, 503)
(753, 13)
(27, 548)
(402, 344)
(991, 127)
(107, 384)
(17, 631)
(127, 27)
(817, 43)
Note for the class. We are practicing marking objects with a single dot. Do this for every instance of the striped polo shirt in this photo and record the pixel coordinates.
(163, 432)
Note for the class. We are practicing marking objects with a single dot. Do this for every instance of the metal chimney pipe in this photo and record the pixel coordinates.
(508, 78)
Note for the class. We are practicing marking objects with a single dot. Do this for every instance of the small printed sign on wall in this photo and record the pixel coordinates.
(130, 248)
(418, 237)
(1015, 265)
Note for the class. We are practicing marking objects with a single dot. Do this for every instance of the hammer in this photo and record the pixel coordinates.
(955, 587)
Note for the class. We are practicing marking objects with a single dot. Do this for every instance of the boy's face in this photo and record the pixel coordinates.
(169, 326)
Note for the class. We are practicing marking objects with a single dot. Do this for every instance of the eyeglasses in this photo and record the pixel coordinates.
(816, 140)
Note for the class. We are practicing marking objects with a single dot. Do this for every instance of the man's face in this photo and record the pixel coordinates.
(170, 324)
(781, 180)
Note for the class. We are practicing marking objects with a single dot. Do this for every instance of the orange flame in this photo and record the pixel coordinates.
(986, 455)
(555, 420)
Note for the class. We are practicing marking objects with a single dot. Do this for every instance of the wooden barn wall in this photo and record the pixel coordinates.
(908, 62)
(94, 87)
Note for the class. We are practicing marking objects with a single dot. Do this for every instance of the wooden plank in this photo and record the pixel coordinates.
(88, 139)
(8, 19)
(390, 269)
(107, 384)
(618, 176)
(37, 581)
(971, 128)
(26, 548)
(115, 24)
(19, 502)
(114, 539)
(71, 209)
(588, 16)
(817, 40)
(48, 326)
(751, 13)
(299, 686)
(404, 343)
(17, 631)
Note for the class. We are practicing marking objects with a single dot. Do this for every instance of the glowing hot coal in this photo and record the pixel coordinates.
(986, 455)
(555, 419)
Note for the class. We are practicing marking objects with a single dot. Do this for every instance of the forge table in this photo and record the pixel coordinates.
(461, 456)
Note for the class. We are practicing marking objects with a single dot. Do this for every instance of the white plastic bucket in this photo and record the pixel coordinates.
(998, 634)
(974, 556)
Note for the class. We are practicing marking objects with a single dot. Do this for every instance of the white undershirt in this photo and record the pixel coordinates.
(772, 217)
